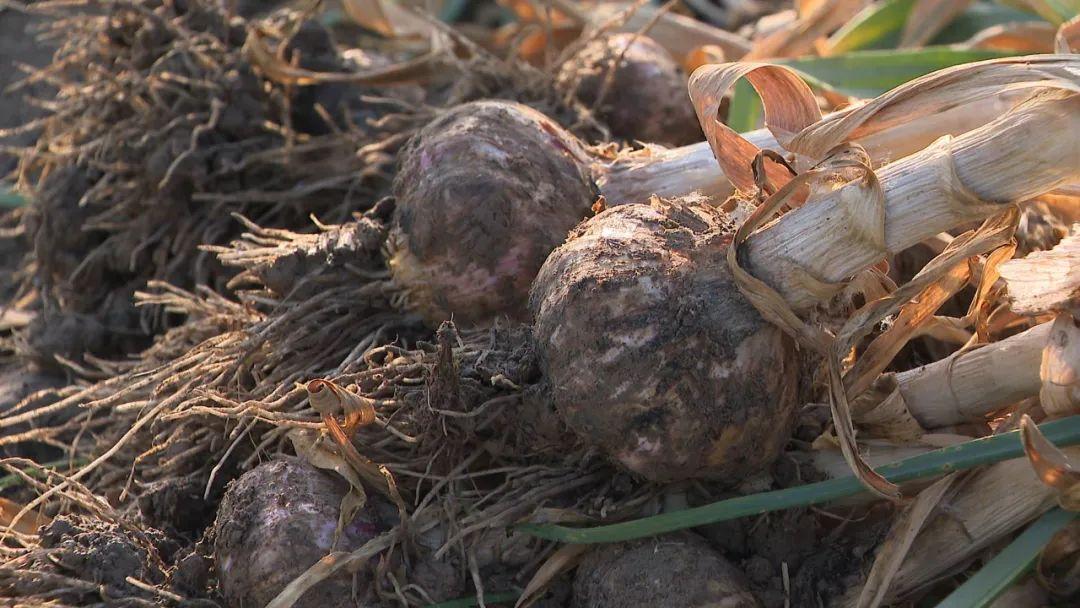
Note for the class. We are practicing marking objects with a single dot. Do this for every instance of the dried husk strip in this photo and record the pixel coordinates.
(968, 522)
(1045, 280)
(815, 21)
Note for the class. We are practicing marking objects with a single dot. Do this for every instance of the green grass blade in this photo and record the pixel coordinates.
(12, 480)
(10, 199)
(860, 74)
(871, 73)
(980, 16)
(745, 109)
(878, 26)
(1008, 566)
(961, 457)
(875, 27)
(469, 602)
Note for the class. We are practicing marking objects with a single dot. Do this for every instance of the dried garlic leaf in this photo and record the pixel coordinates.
(386, 17)
(563, 559)
(331, 565)
(816, 20)
(902, 535)
(1016, 37)
(944, 89)
(789, 107)
(1045, 280)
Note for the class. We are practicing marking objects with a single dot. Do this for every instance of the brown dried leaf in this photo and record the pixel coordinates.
(331, 565)
(1051, 465)
(816, 20)
(773, 308)
(328, 399)
(927, 18)
(563, 559)
(980, 308)
(1067, 39)
(315, 452)
(789, 106)
(387, 18)
(1060, 368)
(1021, 37)
(679, 34)
(904, 531)
(1045, 281)
(912, 316)
(23, 525)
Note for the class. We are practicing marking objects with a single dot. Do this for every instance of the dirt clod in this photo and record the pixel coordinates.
(679, 571)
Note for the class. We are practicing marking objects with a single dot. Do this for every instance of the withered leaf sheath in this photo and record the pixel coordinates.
(653, 355)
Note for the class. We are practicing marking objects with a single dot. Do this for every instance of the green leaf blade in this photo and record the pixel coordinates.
(988, 450)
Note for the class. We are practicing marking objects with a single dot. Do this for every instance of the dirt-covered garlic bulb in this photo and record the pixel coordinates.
(484, 193)
(644, 99)
(277, 520)
(675, 571)
(653, 355)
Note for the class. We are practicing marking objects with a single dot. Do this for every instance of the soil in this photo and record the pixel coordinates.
(84, 560)
(18, 45)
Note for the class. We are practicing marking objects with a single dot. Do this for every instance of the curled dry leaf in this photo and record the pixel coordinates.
(1060, 368)
(563, 559)
(772, 306)
(789, 107)
(1051, 465)
(948, 88)
(20, 525)
(330, 565)
(329, 399)
(1067, 39)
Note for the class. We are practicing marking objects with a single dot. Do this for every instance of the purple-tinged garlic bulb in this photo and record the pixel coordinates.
(484, 193)
(276, 521)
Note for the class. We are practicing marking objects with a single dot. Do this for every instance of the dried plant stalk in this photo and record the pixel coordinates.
(962, 387)
(982, 510)
(1028, 151)
(674, 172)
